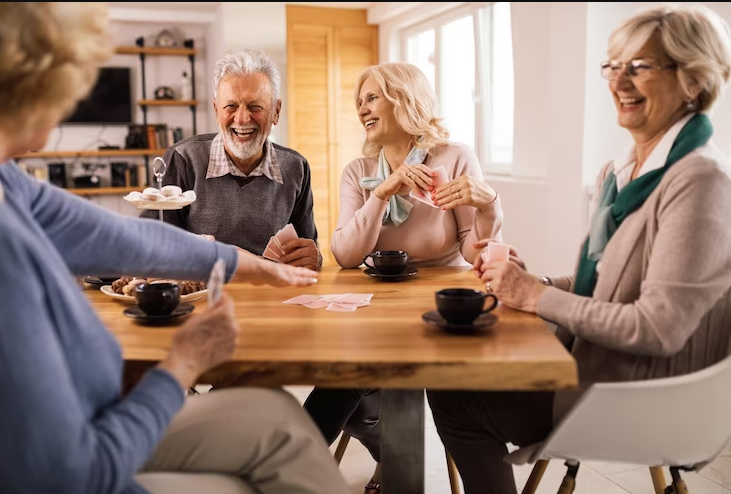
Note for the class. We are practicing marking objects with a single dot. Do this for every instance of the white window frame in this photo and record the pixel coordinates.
(483, 76)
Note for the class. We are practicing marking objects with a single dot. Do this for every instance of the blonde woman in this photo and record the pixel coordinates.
(407, 153)
(65, 425)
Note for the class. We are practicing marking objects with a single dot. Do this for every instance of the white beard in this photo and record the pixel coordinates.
(243, 150)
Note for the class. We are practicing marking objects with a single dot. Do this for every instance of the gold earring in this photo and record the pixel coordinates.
(690, 105)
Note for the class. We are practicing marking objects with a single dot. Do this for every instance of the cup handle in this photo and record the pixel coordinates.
(494, 302)
(366, 263)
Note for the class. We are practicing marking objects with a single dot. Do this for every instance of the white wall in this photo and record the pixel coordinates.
(264, 26)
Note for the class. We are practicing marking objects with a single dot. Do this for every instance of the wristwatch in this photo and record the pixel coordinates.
(545, 280)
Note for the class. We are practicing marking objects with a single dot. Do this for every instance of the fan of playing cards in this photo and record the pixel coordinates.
(424, 195)
(273, 250)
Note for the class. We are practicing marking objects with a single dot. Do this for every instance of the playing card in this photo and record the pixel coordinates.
(317, 304)
(286, 234)
(335, 307)
(354, 298)
(440, 179)
(496, 251)
(271, 251)
(271, 255)
(302, 299)
(215, 282)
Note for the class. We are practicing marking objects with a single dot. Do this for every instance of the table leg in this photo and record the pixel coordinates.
(402, 441)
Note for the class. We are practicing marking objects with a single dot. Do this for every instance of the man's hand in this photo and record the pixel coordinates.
(301, 252)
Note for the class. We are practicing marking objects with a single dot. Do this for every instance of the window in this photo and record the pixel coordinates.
(467, 55)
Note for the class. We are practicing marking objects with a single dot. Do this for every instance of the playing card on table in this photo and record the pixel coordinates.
(215, 282)
(424, 195)
(317, 304)
(336, 307)
(302, 299)
(357, 299)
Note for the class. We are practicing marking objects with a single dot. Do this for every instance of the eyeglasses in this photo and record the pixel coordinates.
(637, 70)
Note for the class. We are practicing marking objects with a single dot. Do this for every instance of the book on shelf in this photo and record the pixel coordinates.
(160, 136)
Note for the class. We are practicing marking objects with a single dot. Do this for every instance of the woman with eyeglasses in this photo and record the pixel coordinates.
(650, 296)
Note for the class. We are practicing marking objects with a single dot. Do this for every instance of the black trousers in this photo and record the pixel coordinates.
(355, 411)
(475, 427)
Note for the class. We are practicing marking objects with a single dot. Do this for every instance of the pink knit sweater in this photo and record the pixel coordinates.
(431, 236)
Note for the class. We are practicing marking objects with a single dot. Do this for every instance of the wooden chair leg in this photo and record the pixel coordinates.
(531, 486)
(569, 481)
(658, 479)
(679, 486)
(453, 474)
(342, 445)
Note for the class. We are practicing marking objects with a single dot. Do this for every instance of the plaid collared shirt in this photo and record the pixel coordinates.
(219, 164)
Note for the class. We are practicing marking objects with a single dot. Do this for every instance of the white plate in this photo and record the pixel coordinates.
(191, 297)
(164, 205)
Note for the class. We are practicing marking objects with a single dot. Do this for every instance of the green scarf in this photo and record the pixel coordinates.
(613, 207)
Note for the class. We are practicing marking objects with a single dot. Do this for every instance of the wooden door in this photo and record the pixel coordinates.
(326, 51)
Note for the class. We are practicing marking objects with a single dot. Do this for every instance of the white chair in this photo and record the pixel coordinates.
(682, 422)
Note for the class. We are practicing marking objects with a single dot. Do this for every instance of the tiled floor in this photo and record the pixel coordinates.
(593, 478)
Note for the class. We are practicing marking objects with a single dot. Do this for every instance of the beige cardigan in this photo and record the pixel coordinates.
(662, 302)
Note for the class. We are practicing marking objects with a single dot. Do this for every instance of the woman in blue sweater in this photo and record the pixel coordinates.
(65, 426)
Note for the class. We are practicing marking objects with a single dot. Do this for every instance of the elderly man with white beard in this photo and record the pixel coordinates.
(247, 187)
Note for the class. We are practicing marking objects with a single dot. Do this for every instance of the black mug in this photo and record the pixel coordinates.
(157, 299)
(462, 306)
(388, 262)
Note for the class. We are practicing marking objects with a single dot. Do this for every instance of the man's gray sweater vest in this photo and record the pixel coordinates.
(243, 212)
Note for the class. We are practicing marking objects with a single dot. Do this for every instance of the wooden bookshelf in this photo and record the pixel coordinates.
(100, 191)
(104, 153)
(168, 102)
(151, 50)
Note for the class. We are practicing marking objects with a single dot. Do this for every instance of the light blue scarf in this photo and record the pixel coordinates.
(398, 208)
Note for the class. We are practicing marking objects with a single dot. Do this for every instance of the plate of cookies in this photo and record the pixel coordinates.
(122, 289)
(166, 198)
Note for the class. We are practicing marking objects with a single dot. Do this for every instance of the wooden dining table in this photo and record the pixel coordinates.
(385, 344)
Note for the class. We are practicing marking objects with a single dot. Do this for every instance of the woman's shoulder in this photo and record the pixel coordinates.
(361, 167)
(708, 162)
(452, 148)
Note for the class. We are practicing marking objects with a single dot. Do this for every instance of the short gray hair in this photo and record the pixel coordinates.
(692, 35)
(247, 61)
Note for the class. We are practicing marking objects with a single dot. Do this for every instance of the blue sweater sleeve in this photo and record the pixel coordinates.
(96, 241)
(51, 441)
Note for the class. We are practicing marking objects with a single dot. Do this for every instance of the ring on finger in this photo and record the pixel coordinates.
(488, 288)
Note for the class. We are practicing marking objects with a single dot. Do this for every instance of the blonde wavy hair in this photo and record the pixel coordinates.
(414, 104)
(49, 58)
(692, 35)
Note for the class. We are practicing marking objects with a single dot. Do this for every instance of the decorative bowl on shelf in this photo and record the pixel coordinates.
(168, 198)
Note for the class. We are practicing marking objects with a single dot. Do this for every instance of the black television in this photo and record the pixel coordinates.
(109, 102)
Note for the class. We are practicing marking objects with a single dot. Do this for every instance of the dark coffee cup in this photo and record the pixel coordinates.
(388, 262)
(157, 299)
(463, 305)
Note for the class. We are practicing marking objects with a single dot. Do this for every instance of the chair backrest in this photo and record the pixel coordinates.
(677, 421)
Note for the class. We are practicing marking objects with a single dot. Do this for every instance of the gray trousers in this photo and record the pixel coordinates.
(242, 441)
